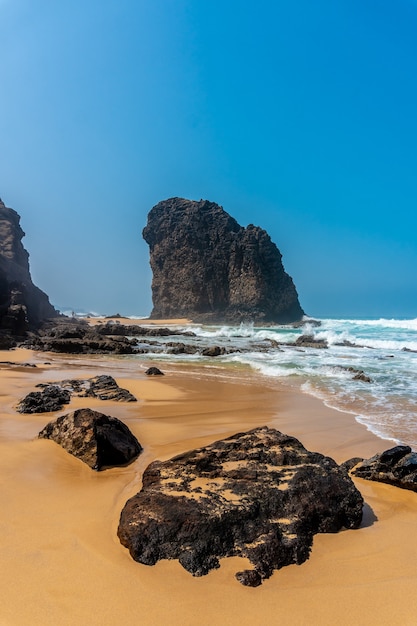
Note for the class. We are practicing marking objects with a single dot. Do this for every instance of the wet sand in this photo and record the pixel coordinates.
(61, 561)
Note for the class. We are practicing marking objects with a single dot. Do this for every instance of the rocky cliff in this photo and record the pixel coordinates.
(209, 268)
(21, 302)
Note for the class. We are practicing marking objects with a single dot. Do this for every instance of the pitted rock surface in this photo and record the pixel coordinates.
(259, 495)
(209, 268)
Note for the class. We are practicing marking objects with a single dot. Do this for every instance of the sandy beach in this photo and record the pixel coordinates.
(62, 562)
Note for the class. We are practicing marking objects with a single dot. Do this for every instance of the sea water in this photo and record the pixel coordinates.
(382, 349)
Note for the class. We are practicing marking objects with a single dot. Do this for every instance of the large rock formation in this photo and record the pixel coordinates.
(208, 268)
(259, 495)
(21, 303)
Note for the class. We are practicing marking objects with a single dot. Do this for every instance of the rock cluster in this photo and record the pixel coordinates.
(396, 466)
(259, 495)
(54, 396)
(51, 398)
(22, 304)
(98, 440)
(74, 337)
(209, 268)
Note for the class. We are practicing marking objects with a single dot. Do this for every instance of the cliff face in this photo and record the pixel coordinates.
(208, 268)
(21, 302)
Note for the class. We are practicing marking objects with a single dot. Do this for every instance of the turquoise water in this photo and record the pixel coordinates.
(381, 348)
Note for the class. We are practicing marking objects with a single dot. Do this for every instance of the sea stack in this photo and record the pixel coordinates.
(208, 268)
(21, 302)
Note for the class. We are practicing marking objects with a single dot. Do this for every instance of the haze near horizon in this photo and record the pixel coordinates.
(296, 117)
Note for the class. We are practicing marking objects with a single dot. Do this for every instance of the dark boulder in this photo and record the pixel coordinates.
(99, 440)
(177, 347)
(213, 351)
(154, 371)
(51, 398)
(350, 464)
(209, 268)
(359, 375)
(105, 388)
(249, 578)
(396, 466)
(259, 495)
(309, 341)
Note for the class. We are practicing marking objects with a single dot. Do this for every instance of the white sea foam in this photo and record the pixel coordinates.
(406, 324)
(387, 405)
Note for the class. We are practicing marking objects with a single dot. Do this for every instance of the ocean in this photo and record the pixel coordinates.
(385, 350)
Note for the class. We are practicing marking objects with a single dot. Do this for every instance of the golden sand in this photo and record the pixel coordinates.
(61, 561)
(128, 321)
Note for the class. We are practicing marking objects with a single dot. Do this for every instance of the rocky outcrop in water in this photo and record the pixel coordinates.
(396, 466)
(209, 268)
(98, 440)
(77, 338)
(22, 304)
(259, 495)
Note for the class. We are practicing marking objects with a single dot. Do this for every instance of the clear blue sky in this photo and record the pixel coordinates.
(297, 116)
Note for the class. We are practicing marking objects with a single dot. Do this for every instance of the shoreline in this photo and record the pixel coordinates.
(62, 561)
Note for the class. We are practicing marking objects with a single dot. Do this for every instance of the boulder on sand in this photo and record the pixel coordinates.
(98, 440)
(259, 495)
(51, 398)
(396, 466)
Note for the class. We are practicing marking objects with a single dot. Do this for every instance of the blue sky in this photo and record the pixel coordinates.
(297, 116)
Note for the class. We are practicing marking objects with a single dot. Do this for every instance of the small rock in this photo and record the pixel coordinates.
(249, 577)
(154, 371)
(308, 341)
(212, 351)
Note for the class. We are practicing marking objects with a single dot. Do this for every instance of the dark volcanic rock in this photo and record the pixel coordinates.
(98, 440)
(105, 388)
(259, 495)
(359, 375)
(154, 371)
(309, 341)
(249, 577)
(350, 464)
(133, 330)
(78, 338)
(396, 466)
(213, 351)
(54, 395)
(209, 268)
(51, 398)
(21, 303)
